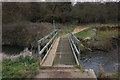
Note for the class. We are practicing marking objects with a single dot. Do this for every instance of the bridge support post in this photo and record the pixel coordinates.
(38, 48)
(40, 59)
(79, 58)
(79, 52)
(38, 52)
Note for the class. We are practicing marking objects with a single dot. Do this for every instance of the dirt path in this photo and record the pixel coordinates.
(78, 29)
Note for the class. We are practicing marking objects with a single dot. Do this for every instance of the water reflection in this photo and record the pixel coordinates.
(12, 50)
(92, 61)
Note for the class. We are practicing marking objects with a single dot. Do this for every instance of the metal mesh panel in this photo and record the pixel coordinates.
(64, 53)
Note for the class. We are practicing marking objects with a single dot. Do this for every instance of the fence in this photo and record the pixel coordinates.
(51, 37)
(75, 45)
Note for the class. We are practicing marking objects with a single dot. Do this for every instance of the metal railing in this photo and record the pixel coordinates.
(51, 37)
(75, 45)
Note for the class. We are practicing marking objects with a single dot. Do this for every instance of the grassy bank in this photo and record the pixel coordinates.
(22, 67)
(85, 33)
(89, 32)
(109, 76)
(104, 39)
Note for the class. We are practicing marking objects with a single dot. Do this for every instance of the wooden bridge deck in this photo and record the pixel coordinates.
(64, 55)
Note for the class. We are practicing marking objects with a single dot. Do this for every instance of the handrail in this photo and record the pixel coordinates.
(47, 44)
(75, 37)
(39, 41)
(74, 47)
(51, 36)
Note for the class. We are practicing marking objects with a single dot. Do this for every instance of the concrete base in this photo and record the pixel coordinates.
(66, 73)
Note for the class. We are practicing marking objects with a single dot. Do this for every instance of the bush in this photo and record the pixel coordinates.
(43, 68)
(27, 59)
(20, 67)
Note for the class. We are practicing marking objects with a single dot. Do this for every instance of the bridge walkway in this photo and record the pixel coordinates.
(64, 55)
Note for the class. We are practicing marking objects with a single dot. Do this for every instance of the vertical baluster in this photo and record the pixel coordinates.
(39, 51)
(79, 52)
(38, 48)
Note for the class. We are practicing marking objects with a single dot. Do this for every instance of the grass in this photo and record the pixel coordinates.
(85, 33)
(106, 34)
(42, 68)
(20, 68)
(103, 37)
(111, 75)
(80, 68)
(107, 25)
(65, 31)
(89, 33)
(116, 74)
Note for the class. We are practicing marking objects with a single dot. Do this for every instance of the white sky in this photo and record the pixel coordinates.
(59, 0)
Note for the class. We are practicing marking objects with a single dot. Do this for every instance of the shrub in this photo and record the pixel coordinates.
(18, 68)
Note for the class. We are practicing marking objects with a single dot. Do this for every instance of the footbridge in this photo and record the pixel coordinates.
(61, 54)
(65, 50)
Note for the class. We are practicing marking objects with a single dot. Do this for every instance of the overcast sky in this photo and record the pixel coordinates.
(59, 0)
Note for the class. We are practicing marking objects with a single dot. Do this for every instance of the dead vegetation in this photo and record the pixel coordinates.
(108, 76)
(25, 33)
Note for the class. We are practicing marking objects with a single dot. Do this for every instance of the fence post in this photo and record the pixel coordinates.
(38, 48)
(39, 51)
(40, 59)
(79, 52)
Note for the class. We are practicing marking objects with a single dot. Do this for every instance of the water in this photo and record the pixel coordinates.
(12, 50)
(16, 50)
(93, 60)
